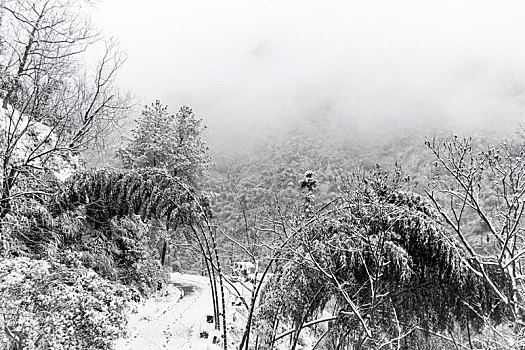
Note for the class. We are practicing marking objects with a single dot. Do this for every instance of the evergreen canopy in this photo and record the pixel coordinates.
(165, 141)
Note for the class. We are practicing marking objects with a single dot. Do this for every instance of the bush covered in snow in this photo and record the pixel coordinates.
(47, 305)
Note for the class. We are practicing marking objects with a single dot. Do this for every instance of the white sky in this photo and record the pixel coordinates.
(243, 61)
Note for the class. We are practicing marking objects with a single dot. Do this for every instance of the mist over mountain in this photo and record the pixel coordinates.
(252, 71)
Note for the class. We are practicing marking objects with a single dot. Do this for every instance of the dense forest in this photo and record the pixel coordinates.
(402, 240)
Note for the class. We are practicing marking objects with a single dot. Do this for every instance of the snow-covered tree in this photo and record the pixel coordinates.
(171, 142)
(167, 142)
(480, 194)
(51, 105)
(381, 263)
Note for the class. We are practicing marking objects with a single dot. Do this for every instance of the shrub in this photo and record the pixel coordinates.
(48, 305)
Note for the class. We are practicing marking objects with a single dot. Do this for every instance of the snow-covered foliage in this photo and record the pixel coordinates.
(171, 142)
(33, 163)
(381, 263)
(51, 106)
(48, 305)
(122, 254)
(31, 157)
(150, 193)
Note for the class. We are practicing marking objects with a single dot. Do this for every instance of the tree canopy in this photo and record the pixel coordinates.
(171, 142)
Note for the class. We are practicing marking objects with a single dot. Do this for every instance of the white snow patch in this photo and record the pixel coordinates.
(172, 320)
(32, 138)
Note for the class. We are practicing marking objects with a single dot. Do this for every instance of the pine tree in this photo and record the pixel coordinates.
(171, 142)
(191, 159)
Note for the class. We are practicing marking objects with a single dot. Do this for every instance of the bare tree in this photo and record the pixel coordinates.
(480, 194)
(43, 39)
(52, 106)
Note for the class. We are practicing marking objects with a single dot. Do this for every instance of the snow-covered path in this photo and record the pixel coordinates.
(172, 321)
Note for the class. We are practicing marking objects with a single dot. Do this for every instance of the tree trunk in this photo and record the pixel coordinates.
(7, 186)
(163, 253)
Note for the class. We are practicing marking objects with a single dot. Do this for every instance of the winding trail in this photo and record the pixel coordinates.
(172, 321)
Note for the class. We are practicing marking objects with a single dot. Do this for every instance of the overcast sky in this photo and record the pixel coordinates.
(373, 62)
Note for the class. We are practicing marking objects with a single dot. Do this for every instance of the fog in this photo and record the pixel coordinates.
(254, 68)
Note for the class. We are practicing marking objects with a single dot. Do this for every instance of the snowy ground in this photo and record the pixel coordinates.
(173, 320)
